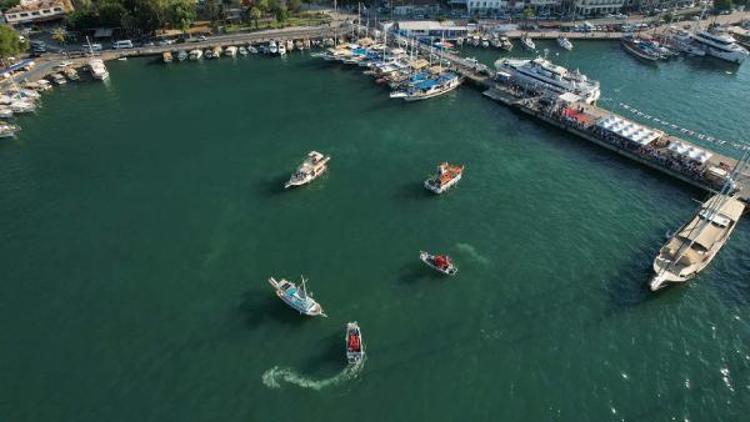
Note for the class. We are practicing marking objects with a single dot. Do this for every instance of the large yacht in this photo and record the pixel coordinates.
(721, 45)
(542, 73)
(693, 247)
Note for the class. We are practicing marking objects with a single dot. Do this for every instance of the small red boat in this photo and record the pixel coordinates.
(442, 263)
(355, 349)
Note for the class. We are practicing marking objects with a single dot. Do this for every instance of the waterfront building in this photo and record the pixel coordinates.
(492, 7)
(33, 11)
(425, 29)
(597, 7)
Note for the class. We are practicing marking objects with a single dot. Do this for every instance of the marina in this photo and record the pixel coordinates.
(555, 240)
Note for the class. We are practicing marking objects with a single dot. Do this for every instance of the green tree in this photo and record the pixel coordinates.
(294, 5)
(264, 6)
(7, 4)
(528, 13)
(255, 13)
(282, 14)
(59, 34)
(182, 14)
(212, 10)
(723, 4)
(10, 44)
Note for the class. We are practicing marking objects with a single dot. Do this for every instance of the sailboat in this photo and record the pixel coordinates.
(696, 244)
(297, 297)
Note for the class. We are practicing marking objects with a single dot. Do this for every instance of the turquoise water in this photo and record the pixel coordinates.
(143, 217)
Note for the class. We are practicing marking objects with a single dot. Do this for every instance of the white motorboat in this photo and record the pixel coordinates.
(231, 51)
(355, 347)
(281, 49)
(196, 54)
(272, 47)
(528, 43)
(252, 50)
(22, 106)
(505, 43)
(182, 55)
(5, 112)
(440, 263)
(217, 52)
(242, 50)
(7, 130)
(98, 70)
(314, 165)
(564, 42)
(296, 297)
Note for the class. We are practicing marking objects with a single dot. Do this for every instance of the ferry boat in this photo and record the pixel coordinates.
(564, 42)
(695, 245)
(640, 49)
(98, 70)
(542, 73)
(297, 298)
(721, 45)
(528, 43)
(429, 88)
(314, 165)
(446, 177)
(196, 54)
(441, 263)
(355, 347)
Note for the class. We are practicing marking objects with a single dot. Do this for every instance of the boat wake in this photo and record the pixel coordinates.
(276, 376)
(469, 250)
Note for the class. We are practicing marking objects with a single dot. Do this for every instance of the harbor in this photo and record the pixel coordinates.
(183, 188)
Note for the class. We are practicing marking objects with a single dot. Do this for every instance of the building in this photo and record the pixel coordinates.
(598, 7)
(426, 29)
(495, 7)
(32, 11)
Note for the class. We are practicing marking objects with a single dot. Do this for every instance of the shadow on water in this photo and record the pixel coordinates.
(414, 272)
(273, 186)
(332, 355)
(412, 191)
(259, 308)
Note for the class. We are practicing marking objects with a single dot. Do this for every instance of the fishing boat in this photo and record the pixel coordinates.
(231, 51)
(98, 70)
(196, 54)
(564, 42)
(429, 88)
(446, 177)
(166, 57)
(297, 297)
(694, 245)
(314, 165)
(355, 348)
(272, 47)
(528, 43)
(640, 49)
(182, 55)
(441, 263)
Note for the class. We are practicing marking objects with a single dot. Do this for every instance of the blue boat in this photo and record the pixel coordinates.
(296, 297)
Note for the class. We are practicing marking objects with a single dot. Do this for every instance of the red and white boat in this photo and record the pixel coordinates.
(441, 263)
(447, 176)
(355, 349)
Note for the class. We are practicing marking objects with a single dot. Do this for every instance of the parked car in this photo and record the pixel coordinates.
(122, 44)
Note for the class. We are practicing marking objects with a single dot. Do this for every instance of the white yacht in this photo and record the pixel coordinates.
(542, 73)
(98, 70)
(695, 245)
(721, 45)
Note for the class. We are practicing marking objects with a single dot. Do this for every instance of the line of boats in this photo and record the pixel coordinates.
(410, 77)
(274, 48)
(504, 43)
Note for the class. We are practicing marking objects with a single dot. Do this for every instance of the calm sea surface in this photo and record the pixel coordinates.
(142, 217)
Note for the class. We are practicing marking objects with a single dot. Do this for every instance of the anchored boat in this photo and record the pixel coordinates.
(297, 297)
(314, 165)
(441, 263)
(445, 178)
(355, 348)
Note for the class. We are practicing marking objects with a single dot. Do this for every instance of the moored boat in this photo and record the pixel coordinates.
(182, 55)
(281, 49)
(8, 130)
(446, 177)
(231, 51)
(440, 263)
(314, 165)
(196, 54)
(694, 245)
(640, 49)
(355, 348)
(505, 43)
(429, 87)
(217, 52)
(242, 50)
(528, 43)
(296, 297)
(166, 57)
(564, 42)
(98, 70)
(272, 47)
